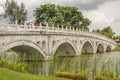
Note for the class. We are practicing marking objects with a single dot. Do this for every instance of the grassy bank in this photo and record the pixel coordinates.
(117, 48)
(6, 74)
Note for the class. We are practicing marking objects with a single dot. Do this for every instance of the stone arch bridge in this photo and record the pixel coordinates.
(50, 40)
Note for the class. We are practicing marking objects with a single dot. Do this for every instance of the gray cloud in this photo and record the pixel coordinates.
(91, 6)
(116, 20)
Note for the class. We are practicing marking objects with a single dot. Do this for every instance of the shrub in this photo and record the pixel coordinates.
(14, 66)
(65, 75)
(111, 74)
(117, 79)
(1, 63)
(71, 76)
(104, 78)
(100, 78)
(80, 77)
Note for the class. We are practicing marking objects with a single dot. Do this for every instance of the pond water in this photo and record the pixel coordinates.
(87, 64)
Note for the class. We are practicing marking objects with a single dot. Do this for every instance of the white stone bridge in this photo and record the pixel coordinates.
(51, 40)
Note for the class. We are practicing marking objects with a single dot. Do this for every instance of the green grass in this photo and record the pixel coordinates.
(6, 74)
(117, 48)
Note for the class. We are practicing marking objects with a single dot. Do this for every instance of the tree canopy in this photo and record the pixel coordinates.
(13, 11)
(61, 15)
(107, 31)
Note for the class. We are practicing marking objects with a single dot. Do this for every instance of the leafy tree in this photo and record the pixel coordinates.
(97, 31)
(107, 31)
(14, 12)
(61, 15)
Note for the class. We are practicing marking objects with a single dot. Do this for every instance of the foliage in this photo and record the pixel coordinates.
(100, 78)
(13, 11)
(61, 15)
(1, 63)
(107, 31)
(117, 48)
(20, 67)
(71, 76)
(6, 74)
(10, 56)
(116, 37)
(111, 74)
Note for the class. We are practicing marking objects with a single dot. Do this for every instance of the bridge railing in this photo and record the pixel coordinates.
(32, 29)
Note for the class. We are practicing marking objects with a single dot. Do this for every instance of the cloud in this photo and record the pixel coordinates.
(117, 20)
(99, 19)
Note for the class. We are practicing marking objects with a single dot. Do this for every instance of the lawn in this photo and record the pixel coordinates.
(6, 74)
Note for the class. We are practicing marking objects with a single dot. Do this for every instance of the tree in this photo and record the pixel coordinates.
(61, 15)
(107, 31)
(14, 12)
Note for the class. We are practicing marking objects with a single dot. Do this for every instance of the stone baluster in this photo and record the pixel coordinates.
(73, 29)
(66, 28)
(70, 29)
(40, 26)
(58, 28)
(16, 24)
(62, 27)
(53, 28)
(25, 26)
(47, 25)
(76, 29)
(33, 27)
(52, 25)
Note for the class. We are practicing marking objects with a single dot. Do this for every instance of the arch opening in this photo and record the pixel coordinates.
(23, 43)
(23, 53)
(100, 49)
(65, 49)
(108, 49)
(87, 48)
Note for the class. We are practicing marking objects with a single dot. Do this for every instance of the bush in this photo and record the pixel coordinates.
(111, 74)
(20, 67)
(100, 78)
(71, 76)
(117, 79)
(1, 63)
(65, 75)
(104, 78)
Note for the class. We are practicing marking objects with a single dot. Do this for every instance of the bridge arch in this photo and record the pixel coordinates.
(108, 48)
(87, 47)
(21, 43)
(100, 48)
(68, 48)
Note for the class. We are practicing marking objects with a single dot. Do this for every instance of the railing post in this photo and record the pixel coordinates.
(70, 29)
(76, 29)
(47, 25)
(62, 27)
(53, 28)
(52, 25)
(58, 28)
(73, 29)
(25, 26)
(16, 22)
(66, 28)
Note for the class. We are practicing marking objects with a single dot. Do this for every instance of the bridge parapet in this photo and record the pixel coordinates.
(32, 29)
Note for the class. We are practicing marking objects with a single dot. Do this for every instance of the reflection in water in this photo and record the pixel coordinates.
(92, 64)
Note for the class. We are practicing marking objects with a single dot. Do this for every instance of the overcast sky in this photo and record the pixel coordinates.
(102, 13)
